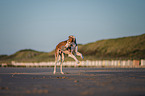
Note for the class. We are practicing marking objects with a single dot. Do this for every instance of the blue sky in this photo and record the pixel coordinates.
(42, 24)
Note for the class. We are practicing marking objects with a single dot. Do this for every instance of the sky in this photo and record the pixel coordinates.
(42, 24)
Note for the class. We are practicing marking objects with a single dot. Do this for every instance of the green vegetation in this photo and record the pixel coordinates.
(121, 48)
(28, 55)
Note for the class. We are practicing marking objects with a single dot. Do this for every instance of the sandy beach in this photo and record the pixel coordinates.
(75, 82)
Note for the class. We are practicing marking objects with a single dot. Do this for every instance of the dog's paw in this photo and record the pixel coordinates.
(61, 72)
(54, 72)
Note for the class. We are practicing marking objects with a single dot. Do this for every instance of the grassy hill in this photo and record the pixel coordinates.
(121, 48)
(28, 55)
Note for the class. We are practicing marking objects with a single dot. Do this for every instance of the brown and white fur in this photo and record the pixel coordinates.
(73, 48)
(60, 49)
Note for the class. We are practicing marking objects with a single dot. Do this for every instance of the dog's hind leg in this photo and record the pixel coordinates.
(71, 55)
(55, 67)
(56, 60)
(62, 60)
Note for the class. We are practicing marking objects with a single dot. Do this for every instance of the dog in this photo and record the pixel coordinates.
(60, 49)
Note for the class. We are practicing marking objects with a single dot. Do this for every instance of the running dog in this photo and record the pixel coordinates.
(60, 49)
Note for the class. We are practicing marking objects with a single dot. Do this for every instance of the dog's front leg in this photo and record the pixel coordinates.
(78, 53)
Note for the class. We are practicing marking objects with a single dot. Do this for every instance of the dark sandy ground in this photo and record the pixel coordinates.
(75, 82)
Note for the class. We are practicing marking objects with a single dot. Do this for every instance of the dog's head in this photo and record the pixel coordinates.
(69, 41)
(73, 38)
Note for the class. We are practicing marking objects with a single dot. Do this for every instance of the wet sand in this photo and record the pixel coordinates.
(75, 82)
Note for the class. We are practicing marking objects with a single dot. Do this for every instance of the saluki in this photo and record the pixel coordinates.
(65, 47)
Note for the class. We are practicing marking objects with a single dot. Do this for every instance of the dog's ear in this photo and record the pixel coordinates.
(70, 36)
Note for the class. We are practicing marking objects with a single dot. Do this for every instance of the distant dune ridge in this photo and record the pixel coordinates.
(132, 47)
